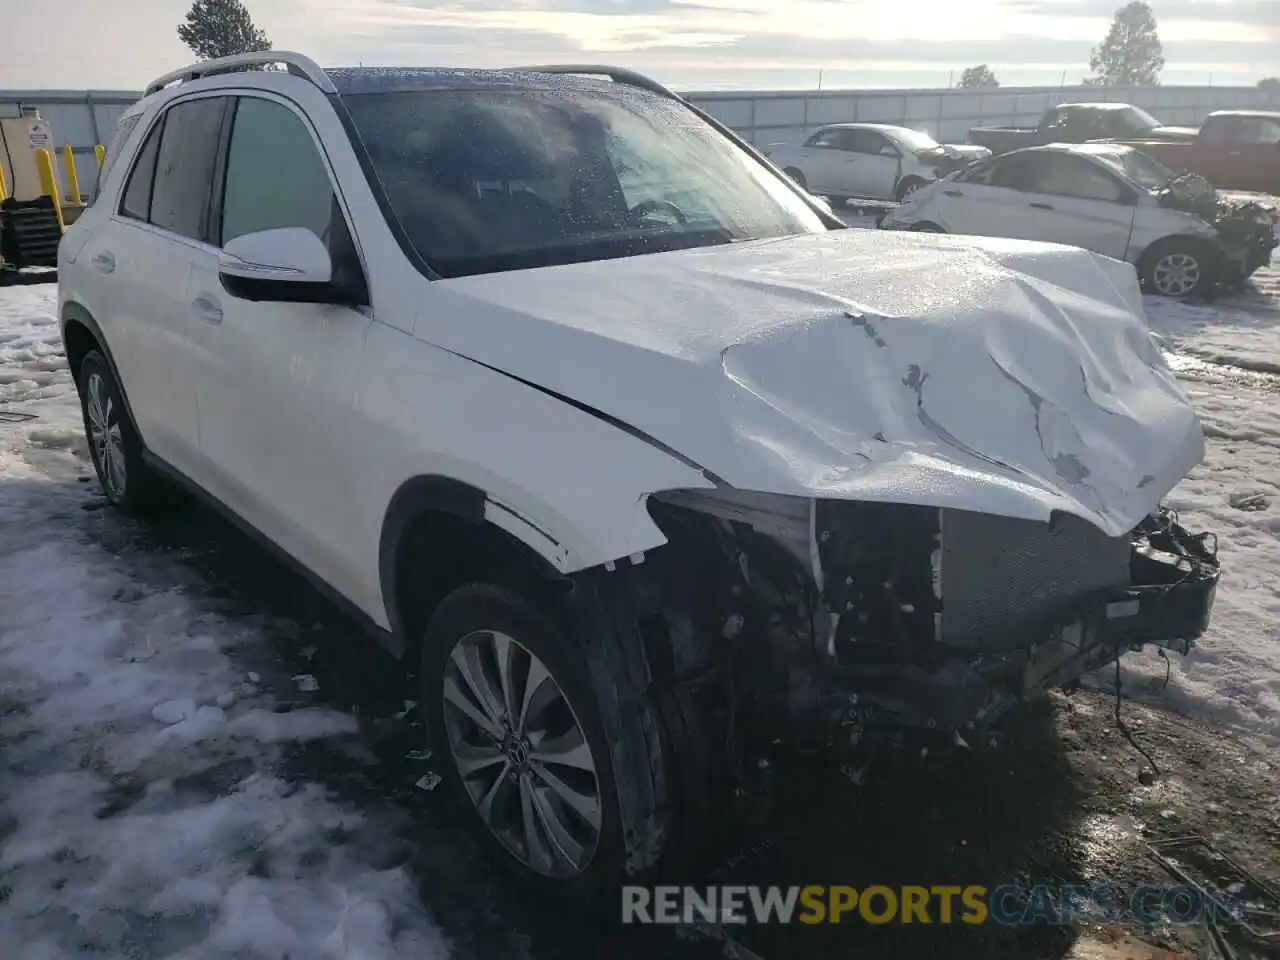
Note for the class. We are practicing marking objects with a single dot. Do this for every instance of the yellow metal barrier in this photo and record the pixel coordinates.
(4, 194)
(100, 152)
(49, 182)
(73, 181)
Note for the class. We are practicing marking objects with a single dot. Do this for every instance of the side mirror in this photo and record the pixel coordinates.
(286, 264)
(889, 150)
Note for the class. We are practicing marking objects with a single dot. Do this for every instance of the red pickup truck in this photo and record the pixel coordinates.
(1234, 150)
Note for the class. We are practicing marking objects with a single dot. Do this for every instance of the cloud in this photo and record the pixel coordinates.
(1253, 12)
(683, 42)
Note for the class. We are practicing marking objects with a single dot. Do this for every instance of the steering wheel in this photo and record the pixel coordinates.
(647, 208)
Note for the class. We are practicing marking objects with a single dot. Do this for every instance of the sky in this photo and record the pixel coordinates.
(688, 44)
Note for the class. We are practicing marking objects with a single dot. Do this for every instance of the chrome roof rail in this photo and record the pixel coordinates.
(296, 63)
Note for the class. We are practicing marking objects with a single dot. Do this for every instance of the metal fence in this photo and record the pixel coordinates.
(84, 118)
(81, 118)
(946, 115)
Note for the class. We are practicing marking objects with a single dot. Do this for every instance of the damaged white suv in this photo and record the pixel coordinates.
(591, 414)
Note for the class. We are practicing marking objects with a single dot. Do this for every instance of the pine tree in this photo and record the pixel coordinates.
(976, 78)
(220, 28)
(1270, 84)
(1131, 55)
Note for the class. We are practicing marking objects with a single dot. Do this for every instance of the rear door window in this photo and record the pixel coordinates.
(825, 139)
(136, 202)
(184, 166)
(123, 129)
(1011, 172)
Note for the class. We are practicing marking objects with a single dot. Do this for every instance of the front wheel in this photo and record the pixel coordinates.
(907, 186)
(798, 177)
(510, 701)
(1176, 268)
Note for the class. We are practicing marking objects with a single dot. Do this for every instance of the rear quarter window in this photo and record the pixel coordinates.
(124, 128)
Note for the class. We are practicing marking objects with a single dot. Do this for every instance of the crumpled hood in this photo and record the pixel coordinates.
(990, 375)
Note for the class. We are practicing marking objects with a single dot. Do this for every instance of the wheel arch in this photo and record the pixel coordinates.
(1214, 260)
(82, 333)
(487, 540)
(904, 179)
(1190, 239)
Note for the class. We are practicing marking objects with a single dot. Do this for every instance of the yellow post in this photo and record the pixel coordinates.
(100, 152)
(49, 182)
(3, 193)
(73, 181)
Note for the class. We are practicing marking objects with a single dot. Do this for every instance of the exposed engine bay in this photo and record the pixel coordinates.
(1247, 227)
(906, 616)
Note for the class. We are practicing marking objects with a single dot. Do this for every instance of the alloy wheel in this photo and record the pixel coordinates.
(106, 441)
(1176, 274)
(522, 754)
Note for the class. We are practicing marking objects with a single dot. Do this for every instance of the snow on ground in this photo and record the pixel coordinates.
(144, 812)
(1228, 353)
(144, 808)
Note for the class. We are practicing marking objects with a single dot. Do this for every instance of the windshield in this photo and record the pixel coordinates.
(1138, 119)
(483, 180)
(1139, 168)
(915, 139)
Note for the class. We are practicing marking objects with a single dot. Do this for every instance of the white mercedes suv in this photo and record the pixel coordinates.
(616, 436)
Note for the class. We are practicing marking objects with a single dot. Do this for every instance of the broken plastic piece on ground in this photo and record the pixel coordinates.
(306, 683)
(1250, 901)
(1248, 501)
(13, 416)
(419, 755)
(428, 781)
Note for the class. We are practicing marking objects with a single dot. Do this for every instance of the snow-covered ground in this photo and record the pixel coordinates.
(1228, 352)
(145, 809)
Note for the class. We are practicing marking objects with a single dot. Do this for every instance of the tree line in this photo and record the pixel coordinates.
(1130, 55)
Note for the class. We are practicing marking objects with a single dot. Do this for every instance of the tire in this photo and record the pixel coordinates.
(798, 177)
(927, 227)
(581, 856)
(1177, 268)
(907, 186)
(115, 449)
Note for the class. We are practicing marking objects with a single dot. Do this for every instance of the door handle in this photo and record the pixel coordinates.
(1042, 206)
(103, 262)
(207, 310)
(952, 193)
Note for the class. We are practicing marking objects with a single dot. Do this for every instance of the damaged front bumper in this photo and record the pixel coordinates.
(1012, 641)
(892, 615)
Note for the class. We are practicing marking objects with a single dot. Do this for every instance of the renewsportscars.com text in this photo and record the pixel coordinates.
(972, 904)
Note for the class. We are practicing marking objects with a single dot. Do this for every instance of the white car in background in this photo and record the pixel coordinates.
(870, 161)
(1180, 234)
